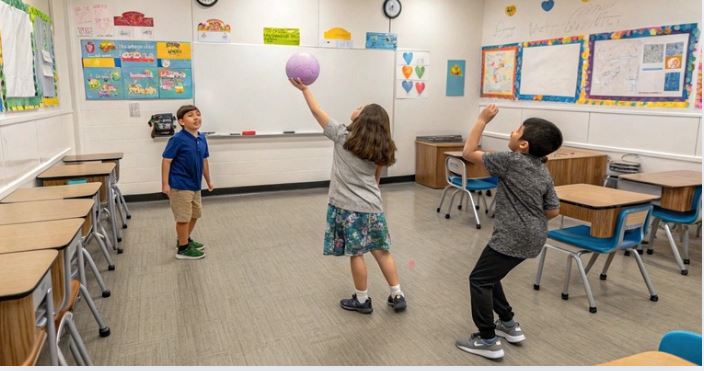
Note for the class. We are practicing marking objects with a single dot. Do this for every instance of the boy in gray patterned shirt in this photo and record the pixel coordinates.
(525, 201)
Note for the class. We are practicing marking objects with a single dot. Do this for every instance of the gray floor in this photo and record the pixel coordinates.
(265, 295)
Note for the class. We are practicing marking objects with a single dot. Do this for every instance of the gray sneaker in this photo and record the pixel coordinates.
(476, 345)
(511, 334)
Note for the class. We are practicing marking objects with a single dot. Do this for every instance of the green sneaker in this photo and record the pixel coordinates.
(190, 253)
(196, 244)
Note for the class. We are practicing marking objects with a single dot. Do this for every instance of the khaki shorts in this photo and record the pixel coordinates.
(185, 204)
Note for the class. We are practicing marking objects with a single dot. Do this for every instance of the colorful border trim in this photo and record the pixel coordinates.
(486, 49)
(665, 102)
(556, 41)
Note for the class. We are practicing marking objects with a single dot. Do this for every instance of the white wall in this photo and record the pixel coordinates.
(665, 139)
(32, 141)
(106, 126)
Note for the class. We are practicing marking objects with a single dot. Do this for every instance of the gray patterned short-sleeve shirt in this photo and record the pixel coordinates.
(524, 191)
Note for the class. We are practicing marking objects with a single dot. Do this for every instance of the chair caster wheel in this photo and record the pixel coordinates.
(106, 293)
(111, 267)
(564, 296)
(536, 287)
(459, 207)
(684, 272)
(120, 250)
(649, 251)
(488, 193)
(602, 277)
(626, 253)
(486, 211)
(686, 261)
(476, 207)
(644, 242)
(479, 226)
(640, 252)
(119, 239)
(129, 216)
(104, 332)
(447, 216)
(124, 226)
(653, 298)
(437, 210)
(592, 309)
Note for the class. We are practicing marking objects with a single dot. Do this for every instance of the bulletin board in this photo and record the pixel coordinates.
(499, 71)
(642, 67)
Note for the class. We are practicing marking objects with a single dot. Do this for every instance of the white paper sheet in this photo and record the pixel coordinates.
(17, 51)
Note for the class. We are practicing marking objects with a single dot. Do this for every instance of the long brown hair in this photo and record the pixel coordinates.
(369, 136)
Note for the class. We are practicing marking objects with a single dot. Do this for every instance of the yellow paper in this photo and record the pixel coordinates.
(98, 63)
(173, 50)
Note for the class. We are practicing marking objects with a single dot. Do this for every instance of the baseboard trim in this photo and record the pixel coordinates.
(263, 188)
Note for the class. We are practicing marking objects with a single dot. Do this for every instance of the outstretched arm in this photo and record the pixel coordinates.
(315, 109)
(470, 152)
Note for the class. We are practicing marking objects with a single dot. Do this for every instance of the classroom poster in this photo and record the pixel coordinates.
(137, 53)
(499, 71)
(412, 74)
(141, 83)
(175, 83)
(456, 69)
(44, 63)
(381, 40)
(337, 37)
(214, 31)
(282, 36)
(103, 83)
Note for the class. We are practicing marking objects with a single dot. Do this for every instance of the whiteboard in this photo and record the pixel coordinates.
(636, 67)
(244, 86)
(550, 70)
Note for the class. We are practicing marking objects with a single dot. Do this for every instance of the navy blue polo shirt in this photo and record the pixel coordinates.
(187, 153)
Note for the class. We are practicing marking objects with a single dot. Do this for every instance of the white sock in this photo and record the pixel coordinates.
(396, 290)
(362, 296)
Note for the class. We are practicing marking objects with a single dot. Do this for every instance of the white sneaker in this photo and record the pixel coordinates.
(511, 334)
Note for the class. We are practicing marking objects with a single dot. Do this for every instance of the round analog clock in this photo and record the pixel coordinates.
(207, 2)
(392, 8)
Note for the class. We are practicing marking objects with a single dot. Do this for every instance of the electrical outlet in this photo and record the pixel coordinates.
(134, 110)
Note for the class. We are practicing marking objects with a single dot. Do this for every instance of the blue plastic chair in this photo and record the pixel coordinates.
(684, 344)
(684, 220)
(456, 176)
(627, 236)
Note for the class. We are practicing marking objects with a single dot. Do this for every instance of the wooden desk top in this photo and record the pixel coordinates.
(41, 211)
(93, 157)
(457, 154)
(441, 144)
(21, 272)
(77, 170)
(596, 197)
(56, 234)
(568, 153)
(649, 359)
(53, 193)
(677, 178)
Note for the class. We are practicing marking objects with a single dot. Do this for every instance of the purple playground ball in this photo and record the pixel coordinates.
(303, 66)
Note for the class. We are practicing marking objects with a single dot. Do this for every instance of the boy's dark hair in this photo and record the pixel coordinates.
(370, 136)
(543, 136)
(183, 110)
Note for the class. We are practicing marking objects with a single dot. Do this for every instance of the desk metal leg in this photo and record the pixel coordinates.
(675, 251)
(121, 206)
(79, 343)
(96, 273)
(113, 215)
(104, 330)
(102, 240)
(51, 327)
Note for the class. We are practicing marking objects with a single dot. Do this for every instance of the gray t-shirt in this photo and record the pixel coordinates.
(352, 181)
(524, 191)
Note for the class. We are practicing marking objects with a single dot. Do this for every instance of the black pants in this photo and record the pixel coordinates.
(486, 292)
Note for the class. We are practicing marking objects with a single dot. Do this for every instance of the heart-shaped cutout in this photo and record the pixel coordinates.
(420, 70)
(407, 71)
(420, 86)
(407, 85)
(547, 5)
(408, 57)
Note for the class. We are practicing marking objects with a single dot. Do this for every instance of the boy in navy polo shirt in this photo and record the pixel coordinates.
(184, 163)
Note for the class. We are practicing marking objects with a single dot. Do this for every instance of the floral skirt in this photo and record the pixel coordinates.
(353, 233)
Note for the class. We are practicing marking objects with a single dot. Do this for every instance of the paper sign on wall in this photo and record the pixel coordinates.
(455, 78)
(214, 31)
(336, 37)
(412, 74)
(282, 36)
(380, 40)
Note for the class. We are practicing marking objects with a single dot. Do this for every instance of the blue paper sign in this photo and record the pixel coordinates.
(455, 78)
(381, 40)
(141, 83)
(137, 53)
(103, 83)
(99, 49)
(175, 83)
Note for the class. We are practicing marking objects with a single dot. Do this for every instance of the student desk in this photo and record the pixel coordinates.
(675, 188)
(60, 174)
(598, 206)
(24, 285)
(649, 359)
(430, 162)
(570, 165)
(473, 170)
(64, 237)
